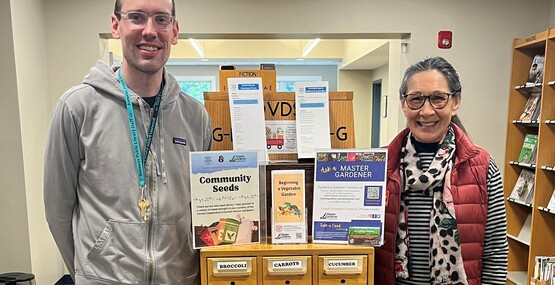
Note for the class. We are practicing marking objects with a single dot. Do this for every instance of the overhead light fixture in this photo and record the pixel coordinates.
(308, 48)
(197, 47)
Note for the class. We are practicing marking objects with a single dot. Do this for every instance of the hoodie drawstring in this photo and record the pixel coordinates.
(162, 160)
(160, 169)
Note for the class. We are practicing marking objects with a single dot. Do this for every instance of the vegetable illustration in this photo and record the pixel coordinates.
(289, 209)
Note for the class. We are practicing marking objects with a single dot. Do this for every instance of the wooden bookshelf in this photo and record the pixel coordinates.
(530, 227)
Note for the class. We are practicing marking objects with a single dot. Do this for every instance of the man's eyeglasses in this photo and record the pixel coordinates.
(139, 19)
(437, 100)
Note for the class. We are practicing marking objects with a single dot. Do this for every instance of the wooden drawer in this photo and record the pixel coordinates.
(342, 269)
(232, 271)
(288, 270)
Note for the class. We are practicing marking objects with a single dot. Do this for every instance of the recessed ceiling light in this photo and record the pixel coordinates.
(197, 47)
(310, 46)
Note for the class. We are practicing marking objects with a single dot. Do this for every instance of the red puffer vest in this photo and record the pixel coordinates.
(470, 197)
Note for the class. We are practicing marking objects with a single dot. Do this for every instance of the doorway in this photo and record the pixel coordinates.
(376, 113)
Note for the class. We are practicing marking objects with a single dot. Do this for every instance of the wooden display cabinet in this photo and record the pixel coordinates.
(530, 227)
(301, 264)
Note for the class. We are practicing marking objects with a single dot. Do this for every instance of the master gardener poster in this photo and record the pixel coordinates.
(349, 196)
(225, 199)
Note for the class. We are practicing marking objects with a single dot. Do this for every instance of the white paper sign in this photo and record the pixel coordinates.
(312, 117)
(231, 265)
(287, 264)
(246, 105)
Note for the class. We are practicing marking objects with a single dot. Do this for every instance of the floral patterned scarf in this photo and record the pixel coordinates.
(445, 253)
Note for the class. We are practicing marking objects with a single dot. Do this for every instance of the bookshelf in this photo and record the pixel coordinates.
(530, 227)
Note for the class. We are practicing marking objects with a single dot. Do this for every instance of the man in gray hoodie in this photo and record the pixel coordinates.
(116, 181)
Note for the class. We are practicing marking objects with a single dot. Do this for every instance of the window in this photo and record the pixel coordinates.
(195, 86)
(287, 83)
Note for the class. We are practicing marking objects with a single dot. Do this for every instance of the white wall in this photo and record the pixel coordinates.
(72, 30)
(15, 252)
(25, 243)
(360, 82)
(34, 108)
(483, 33)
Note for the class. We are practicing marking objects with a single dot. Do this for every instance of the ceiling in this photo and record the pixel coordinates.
(347, 54)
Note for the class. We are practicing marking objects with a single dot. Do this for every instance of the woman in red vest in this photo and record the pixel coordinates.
(445, 217)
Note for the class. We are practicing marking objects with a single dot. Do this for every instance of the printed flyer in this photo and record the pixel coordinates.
(349, 196)
(246, 106)
(288, 205)
(312, 108)
(225, 197)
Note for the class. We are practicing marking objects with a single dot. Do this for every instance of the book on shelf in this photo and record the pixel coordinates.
(528, 149)
(532, 108)
(551, 203)
(534, 155)
(536, 69)
(524, 185)
(543, 268)
(530, 197)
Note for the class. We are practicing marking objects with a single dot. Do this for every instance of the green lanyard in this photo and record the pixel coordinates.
(133, 128)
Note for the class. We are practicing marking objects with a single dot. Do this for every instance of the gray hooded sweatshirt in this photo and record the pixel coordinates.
(91, 185)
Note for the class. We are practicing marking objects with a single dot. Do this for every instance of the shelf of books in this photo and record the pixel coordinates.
(529, 176)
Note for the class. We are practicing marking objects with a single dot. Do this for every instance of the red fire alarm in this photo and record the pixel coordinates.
(444, 39)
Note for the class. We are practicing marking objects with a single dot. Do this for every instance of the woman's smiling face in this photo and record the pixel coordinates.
(428, 124)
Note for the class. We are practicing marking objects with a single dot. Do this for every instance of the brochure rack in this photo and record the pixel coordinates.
(308, 168)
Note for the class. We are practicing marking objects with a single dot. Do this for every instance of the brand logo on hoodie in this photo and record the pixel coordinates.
(179, 141)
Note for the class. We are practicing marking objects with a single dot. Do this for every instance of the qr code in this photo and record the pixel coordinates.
(373, 192)
(298, 235)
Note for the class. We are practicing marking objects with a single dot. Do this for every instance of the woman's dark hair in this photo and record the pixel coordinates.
(442, 66)
(117, 9)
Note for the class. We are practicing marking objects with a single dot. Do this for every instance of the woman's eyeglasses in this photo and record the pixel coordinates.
(437, 100)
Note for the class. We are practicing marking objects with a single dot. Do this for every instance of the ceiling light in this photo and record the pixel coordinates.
(308, 48)
(197, 47)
